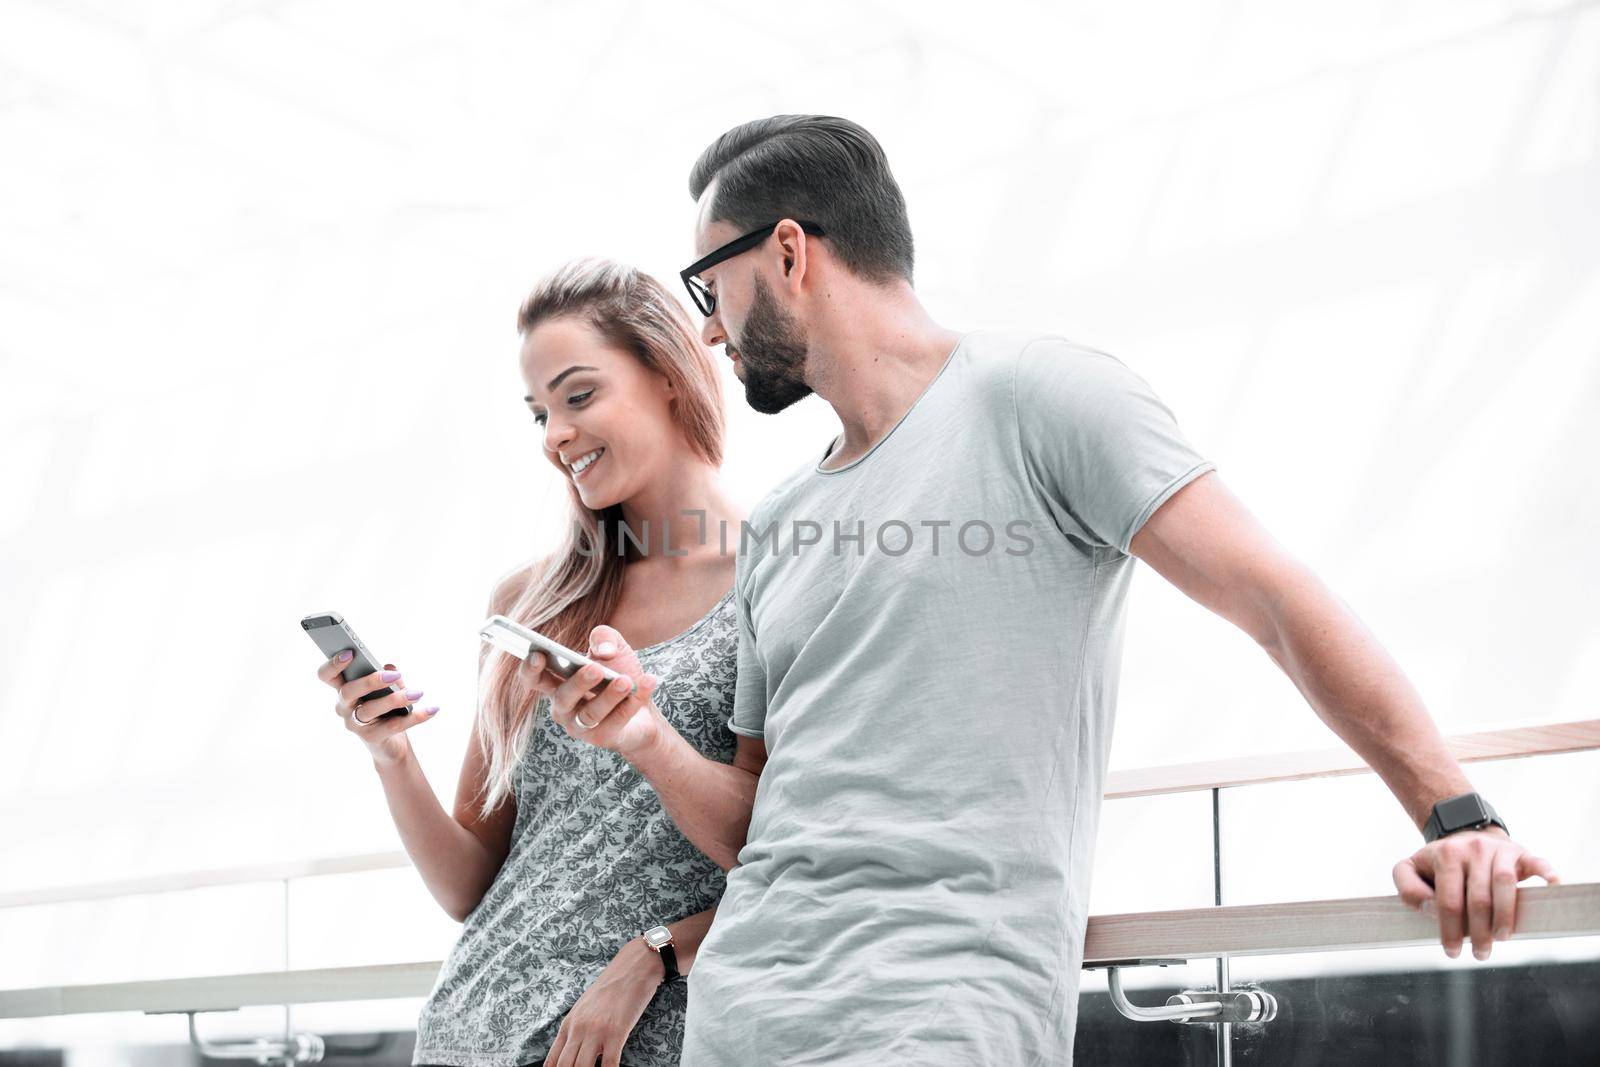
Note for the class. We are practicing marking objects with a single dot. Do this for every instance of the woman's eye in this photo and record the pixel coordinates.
(575, 400)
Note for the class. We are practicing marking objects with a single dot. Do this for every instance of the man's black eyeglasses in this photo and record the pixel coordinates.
(704, 298)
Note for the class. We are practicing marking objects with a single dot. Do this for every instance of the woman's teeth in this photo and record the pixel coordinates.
(583, 463)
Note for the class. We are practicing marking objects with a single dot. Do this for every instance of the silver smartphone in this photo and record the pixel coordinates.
(521, 642)
(333, 635)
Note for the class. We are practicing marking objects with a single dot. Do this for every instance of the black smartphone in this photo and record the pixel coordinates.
(333, 635)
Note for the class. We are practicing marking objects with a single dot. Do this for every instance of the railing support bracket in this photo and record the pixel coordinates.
(286, 1051)
(1192, 1007)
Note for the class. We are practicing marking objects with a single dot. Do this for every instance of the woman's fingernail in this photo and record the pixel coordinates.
(430, 711)
(389, 676)
(412, 694)
(344, 657)
(605, 648)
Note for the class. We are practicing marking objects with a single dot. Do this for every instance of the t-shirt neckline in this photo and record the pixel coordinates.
(898, 423)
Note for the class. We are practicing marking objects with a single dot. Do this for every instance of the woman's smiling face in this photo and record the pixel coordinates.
(606, 417)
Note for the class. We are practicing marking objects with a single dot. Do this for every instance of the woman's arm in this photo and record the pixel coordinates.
(600, 1023)
(458, 855)
(687, 933)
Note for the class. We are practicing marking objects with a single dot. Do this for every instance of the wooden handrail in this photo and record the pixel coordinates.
(180, 880)
(1513, 742)
(1320, 926)
(1197, 933)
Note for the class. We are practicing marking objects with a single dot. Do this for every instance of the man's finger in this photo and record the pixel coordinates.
(1414, 890)
(1505, 894)
(1450, 896)
(1480, 905)
(1529, 865)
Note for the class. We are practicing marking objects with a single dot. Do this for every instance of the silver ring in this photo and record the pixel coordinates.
(578, 716)
(359, 719)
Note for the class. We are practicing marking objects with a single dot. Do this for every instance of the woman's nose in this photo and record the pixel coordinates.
(557, 432)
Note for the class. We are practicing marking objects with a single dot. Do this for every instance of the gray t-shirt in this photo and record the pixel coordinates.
(937, 704)
(594, 861)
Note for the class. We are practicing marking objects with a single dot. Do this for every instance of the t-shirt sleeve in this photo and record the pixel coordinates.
(1099, 446)
(750, 685)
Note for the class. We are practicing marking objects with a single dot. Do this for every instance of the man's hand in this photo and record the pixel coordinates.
(1470, 880)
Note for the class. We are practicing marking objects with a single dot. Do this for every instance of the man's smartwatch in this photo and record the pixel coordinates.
(659, 938)
(1468, 811)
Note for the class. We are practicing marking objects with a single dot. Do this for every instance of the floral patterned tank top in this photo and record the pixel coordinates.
(594, 861)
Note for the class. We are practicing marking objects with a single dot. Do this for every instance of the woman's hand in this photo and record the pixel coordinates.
(618, 716)
(599, 1023)
(382, 738)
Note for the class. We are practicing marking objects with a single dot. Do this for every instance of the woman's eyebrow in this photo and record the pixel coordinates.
(557, 379)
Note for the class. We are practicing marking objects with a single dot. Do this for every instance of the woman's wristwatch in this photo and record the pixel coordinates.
(659, 938)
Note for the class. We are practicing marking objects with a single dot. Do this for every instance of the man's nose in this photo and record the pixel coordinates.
(711, 333)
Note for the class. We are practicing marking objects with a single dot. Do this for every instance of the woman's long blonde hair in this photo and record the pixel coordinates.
(577, 588)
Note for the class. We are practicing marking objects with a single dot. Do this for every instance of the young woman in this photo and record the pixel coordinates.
(558, 855)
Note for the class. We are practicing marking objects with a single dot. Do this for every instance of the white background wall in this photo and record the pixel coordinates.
(258, 270)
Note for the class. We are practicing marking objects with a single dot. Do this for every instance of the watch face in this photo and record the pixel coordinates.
(1466, 810)
(657, 936)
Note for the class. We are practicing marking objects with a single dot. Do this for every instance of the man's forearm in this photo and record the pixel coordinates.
(709, 801)
(1358, 689)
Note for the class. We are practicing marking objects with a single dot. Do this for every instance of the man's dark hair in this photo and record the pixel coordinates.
(812, 168)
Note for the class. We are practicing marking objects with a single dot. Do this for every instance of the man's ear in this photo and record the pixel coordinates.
(795, 250)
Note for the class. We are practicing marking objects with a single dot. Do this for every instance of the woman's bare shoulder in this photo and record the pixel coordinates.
(511, 586)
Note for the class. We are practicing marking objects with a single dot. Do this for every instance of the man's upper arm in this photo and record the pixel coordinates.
(1204, 541)
(1101, 449)
(750, 676)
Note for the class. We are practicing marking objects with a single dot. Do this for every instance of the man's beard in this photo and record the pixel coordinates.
(773, 351)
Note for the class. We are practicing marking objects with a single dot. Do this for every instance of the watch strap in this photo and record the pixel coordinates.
(669, 962)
